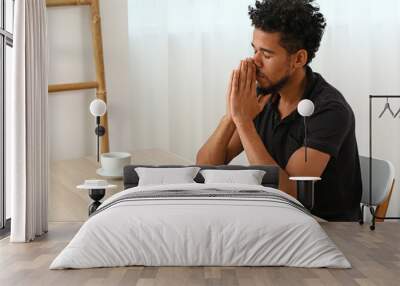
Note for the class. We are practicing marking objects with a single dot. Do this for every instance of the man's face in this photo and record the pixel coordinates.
(272, 61)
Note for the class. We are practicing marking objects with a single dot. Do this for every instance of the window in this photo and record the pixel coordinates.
(6, 44)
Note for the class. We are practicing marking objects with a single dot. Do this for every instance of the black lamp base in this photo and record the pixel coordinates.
(305, 190)
(305, 193)
(96, 195)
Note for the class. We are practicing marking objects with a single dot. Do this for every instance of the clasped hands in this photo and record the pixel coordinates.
(242, 103)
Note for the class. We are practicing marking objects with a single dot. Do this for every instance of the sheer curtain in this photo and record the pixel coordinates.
(26, 117)
(181, 53)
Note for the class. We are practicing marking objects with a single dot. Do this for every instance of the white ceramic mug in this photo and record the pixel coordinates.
(113, 163)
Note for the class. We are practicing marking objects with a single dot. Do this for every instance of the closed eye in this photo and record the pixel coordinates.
(266, 55)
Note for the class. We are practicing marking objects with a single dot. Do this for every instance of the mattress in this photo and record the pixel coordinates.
(201, 225)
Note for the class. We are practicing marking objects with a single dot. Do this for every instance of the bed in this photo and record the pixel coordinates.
(201, 224)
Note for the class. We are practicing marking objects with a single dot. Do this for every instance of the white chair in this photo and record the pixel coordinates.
(383, 174)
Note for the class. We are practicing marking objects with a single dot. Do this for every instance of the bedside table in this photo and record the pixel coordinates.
(97, 190)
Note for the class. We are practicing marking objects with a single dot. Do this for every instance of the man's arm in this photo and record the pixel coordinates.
(314, 167)
(215, 150)
(257, 154)
(224, 144)
(255, 149)
(235, 147)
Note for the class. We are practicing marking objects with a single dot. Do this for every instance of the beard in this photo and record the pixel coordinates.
(274, 88)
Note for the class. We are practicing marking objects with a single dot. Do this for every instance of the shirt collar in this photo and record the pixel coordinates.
(311, 81)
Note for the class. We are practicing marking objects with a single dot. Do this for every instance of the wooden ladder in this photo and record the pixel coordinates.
(100, 83)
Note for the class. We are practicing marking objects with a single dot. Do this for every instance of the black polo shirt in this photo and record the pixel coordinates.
(331, 129)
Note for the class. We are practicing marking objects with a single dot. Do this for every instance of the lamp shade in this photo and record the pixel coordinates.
(98, 107)
(305, 107)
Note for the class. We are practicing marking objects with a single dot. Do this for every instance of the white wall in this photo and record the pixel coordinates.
(358, 54)
(70, 60)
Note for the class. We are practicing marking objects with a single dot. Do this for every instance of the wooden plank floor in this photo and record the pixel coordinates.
(375, 257)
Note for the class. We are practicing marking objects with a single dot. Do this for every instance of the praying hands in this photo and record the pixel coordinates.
(243, 105)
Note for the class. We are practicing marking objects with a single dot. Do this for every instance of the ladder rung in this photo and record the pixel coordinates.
(73, 86)
(54, 3)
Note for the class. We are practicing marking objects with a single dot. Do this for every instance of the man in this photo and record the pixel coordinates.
(261, 111)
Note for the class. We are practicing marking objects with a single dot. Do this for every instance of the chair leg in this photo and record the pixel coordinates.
(361, 221)
(372, 226)
(382, 207)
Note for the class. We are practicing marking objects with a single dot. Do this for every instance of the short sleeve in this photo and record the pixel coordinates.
(328, 128)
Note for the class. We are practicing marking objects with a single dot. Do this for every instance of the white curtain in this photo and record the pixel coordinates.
(27, 138)
(181, 53)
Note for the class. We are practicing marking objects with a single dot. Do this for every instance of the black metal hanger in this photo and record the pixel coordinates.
(397, 113)
(387, 107)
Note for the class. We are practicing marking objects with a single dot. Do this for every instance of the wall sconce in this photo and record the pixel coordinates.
(305, 185)
(305, 108)
(98, 108)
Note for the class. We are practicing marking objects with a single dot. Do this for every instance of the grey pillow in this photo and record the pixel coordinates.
(248, 177)
(161, 176)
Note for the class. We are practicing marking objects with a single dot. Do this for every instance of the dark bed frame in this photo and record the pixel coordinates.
(270, 179)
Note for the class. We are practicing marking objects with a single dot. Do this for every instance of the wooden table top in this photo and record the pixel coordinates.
(68, 204)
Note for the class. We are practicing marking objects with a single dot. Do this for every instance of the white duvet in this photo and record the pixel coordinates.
(200, 231)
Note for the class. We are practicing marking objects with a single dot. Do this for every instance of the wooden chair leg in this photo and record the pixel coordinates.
(382, 208)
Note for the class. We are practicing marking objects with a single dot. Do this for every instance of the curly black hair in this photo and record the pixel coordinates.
(299, 22)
